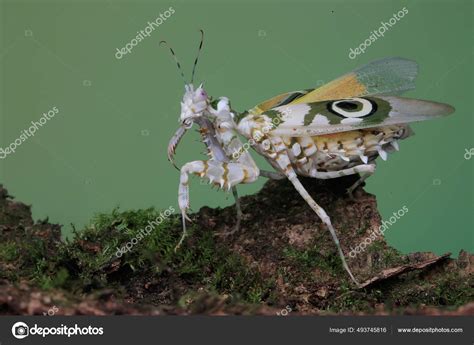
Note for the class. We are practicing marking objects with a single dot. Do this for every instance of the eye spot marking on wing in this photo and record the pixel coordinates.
(352, 108)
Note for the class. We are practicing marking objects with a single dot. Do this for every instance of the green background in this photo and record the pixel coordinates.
(107, 146)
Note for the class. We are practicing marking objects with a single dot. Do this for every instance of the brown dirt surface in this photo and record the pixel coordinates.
(282, 261)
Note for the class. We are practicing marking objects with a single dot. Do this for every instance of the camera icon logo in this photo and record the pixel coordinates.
(20, 330)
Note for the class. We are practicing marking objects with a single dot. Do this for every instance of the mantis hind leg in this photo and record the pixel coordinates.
(272, 175)
(351, 189)
(358, 169)
(326, 220)
(366, 170)
(284, 163)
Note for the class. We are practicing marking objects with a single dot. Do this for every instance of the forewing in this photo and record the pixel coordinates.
(350, 114)
(386, 76)
(392, 76)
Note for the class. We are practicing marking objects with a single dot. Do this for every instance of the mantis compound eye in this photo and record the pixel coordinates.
(199, 96)
(202, 94)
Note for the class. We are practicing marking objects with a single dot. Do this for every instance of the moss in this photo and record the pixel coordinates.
(307, 260)
(92, 259)
(350, 301)
(56, 280)
(8, 251)
(22, 258)
(385, 256)
(361, 231)
(451, 289)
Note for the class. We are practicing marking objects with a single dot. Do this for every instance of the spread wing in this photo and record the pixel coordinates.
(353, 113)
(381, 77)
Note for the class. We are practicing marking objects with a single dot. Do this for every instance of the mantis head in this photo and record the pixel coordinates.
(193, 105)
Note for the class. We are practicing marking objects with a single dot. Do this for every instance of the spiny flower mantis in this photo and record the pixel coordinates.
(334, 130)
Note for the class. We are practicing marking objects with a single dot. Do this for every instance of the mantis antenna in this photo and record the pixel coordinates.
(175, 59)
(197, 56)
